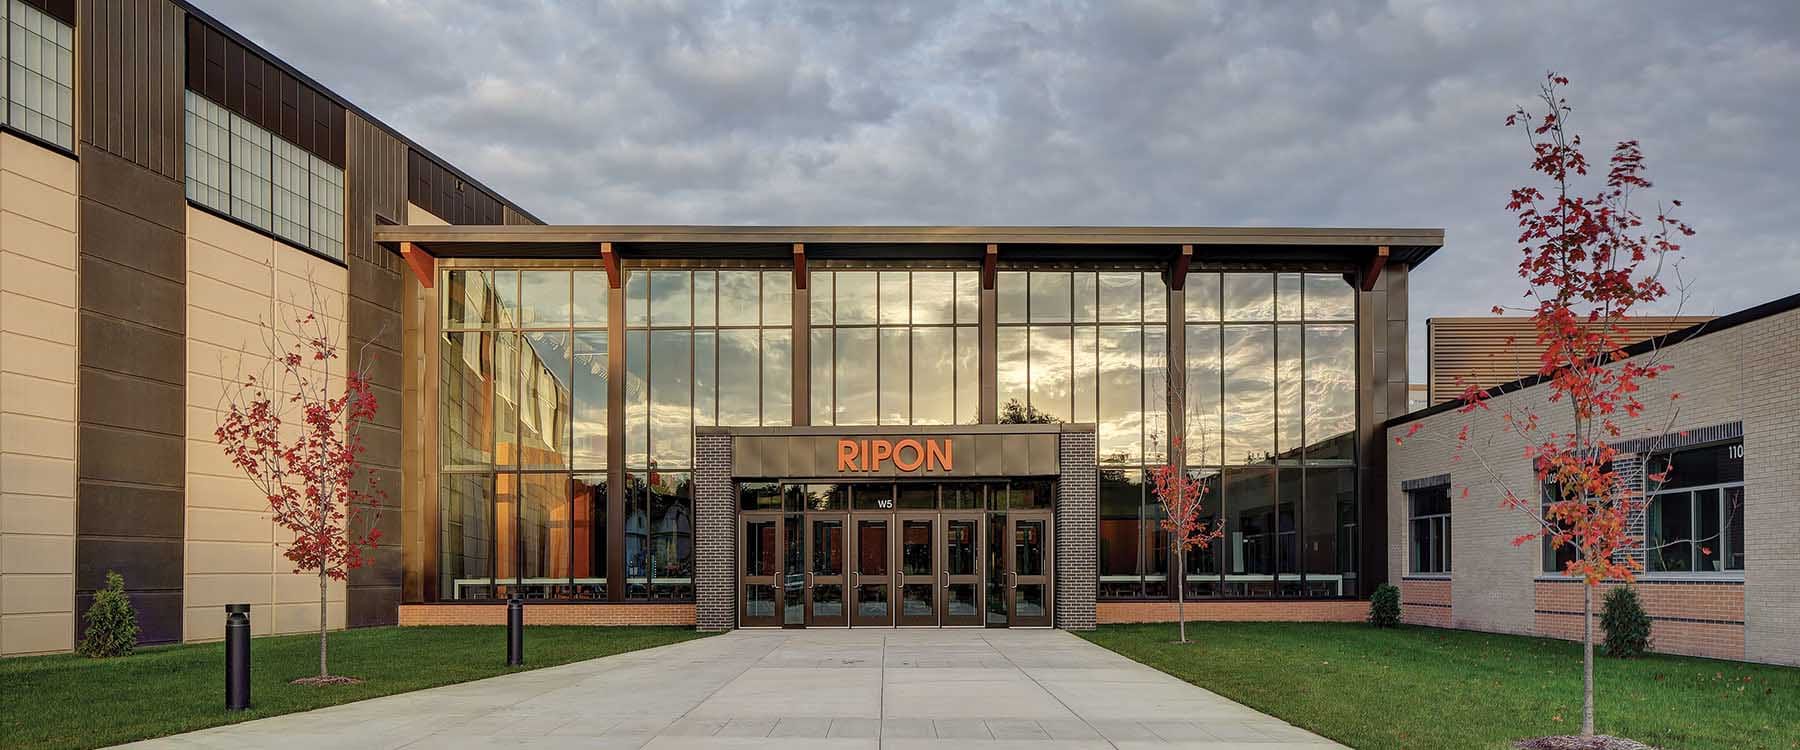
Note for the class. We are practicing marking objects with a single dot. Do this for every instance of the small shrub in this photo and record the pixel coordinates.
(112, 628)
(1384, 606)
(1627, 627)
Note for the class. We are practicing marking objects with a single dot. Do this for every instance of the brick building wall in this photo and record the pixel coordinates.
(548, 614)
(1425, 601)
(1744, 369)
(1697, 618)
(1077, 531)
(1323, 610)
(715, 534)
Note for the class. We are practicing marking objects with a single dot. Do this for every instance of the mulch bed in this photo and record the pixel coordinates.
(1575, 742)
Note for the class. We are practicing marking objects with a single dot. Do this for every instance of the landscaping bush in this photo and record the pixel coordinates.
(1627, 627)
(1384, 606)
(112, 627)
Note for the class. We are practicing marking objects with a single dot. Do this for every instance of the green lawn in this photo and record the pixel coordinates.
(1429, 688)
(67, 701)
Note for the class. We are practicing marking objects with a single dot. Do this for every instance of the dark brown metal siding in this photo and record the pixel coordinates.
(62, 10)
(1381, 318)
(376, 172)
(130, 482)
(129, 97)
(243, 81)
(440, 191)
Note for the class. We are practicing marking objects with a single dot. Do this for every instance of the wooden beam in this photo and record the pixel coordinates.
(989, 262)
(423, 266)
(799, 265)
(1178, 276)
(612, 264)
(1373, 270)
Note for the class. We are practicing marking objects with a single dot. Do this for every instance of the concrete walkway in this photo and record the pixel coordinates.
(798, 689)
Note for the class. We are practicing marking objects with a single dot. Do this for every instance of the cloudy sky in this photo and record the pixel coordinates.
(1105, 112)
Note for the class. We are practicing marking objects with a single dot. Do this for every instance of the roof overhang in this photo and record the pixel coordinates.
(1209, 244)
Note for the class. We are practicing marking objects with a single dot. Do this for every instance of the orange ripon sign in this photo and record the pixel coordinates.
(906, 455)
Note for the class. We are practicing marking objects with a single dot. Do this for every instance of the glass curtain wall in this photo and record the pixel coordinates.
(702, 348)
(1092, 346)
(1270, 414)
(895, 347)
(522, 428)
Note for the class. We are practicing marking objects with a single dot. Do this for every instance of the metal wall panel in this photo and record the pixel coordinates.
(375, 173)
(1488, 351)
(256, 88)
(129, 93)
(975, 453)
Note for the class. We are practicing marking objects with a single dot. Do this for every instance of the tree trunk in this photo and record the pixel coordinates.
(1587, 661)
(322, 579)
(1181, 590)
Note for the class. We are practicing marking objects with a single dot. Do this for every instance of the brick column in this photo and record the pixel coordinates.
(1077, 530)
(715, 534)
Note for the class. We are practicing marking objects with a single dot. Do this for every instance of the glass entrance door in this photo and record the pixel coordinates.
(871, 578)
(826, 547)
(1028, 573)
(918, 600)
(763, 583)
(960, 570)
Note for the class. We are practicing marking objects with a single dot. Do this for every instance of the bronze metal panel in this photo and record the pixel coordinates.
(1015, 456)
(988, 398)
(615, 441)
(1042, 449)
(129, 87)
(990, 455)
(801, 369)
(824, 457)
(811, 453)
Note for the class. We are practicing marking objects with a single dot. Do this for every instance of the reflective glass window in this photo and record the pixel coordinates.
(544, 299)
(1249, 297)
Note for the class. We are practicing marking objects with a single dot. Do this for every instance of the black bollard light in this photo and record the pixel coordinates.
(515, 632)
(237, 657)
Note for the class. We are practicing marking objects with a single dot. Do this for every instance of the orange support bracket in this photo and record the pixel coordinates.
(989, 262)
(612, 264)
(1178, 275)
(423, 266)
(799, 265)
(1373, 270)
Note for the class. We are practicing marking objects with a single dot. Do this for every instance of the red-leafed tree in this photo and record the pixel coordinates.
(1181, 496)
(296, 437)
(1588, 261)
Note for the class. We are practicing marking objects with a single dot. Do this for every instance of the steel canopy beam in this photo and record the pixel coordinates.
(1373, 270)
(423, 266)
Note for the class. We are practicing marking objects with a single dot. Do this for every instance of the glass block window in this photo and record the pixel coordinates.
(40, 88)
(327, 208)
(208, 153)
(239, 169)
(250, 168)
(291, 179)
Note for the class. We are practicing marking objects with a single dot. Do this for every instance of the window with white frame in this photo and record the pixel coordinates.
(327, 208)
(1429, 521)
(291, 177)
(250, 168)
(40, 74)
(1694, 510)
(243, 171)
(208, 153)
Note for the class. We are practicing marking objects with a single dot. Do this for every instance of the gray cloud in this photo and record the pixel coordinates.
(1368, 114)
